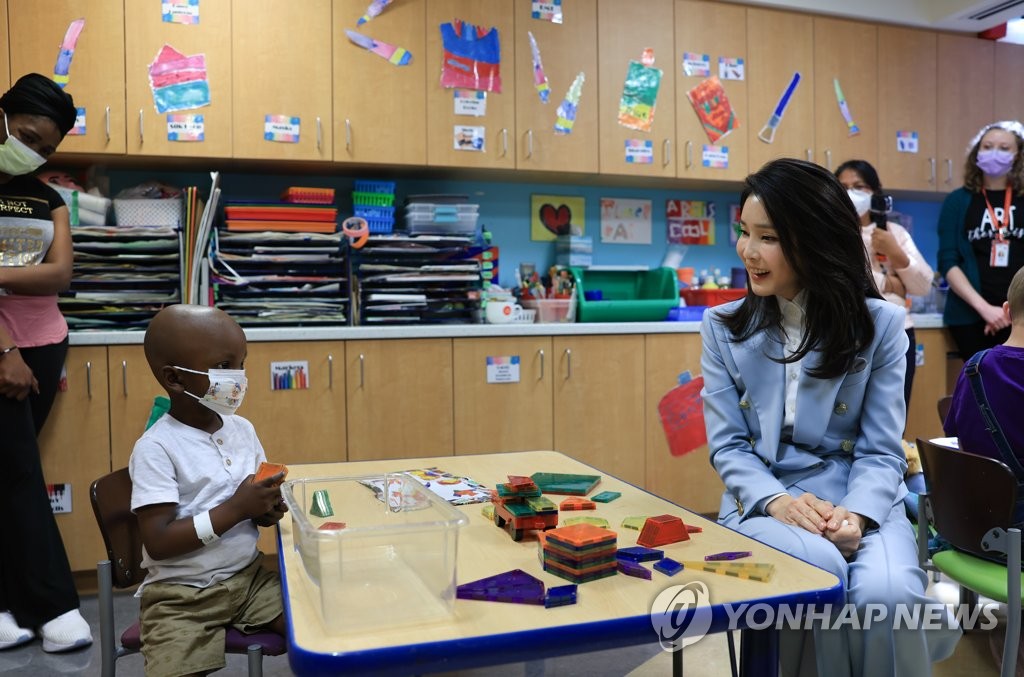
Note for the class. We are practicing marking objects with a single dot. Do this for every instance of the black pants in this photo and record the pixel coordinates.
(35, 578)
(971, 338)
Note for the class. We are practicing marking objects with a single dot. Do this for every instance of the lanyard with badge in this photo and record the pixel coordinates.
(1000, 254)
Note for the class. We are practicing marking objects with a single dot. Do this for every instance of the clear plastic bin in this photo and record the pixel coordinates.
(392, 563)
(552, 310)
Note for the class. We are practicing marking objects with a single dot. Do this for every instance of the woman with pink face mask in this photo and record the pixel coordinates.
(980, 238)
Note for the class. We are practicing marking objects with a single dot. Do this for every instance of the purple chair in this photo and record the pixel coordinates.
(111, 502)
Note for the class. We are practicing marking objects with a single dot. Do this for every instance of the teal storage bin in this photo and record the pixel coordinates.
(626, 295)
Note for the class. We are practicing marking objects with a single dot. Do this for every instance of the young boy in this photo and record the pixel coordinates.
(1001, 373)
(195, 499)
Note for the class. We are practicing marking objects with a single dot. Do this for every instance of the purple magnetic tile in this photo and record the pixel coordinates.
(560, 595)
(668, 566)
(640, 554)
(728, 555)
(514, 586)
(634, 569)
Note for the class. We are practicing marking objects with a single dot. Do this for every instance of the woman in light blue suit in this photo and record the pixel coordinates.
(803, 403)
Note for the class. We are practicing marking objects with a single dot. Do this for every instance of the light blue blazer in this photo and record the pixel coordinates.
(845, 445)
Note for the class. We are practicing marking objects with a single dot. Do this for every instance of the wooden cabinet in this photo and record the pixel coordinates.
(599, 402)
(281, 66)
(499, 122)
(965, 71)
(845, 52)
(780, 44)
(718, 30)
(906, 105)
(36, 29)
(623, 37)
(146, 36)
(689, 480)
(502, 416)
(74, 447)
(399, 395)
(301, 425)
(932, 380)
(5, 56)
(132, 391)
(1009, 98)
(566, 50)
(380, 109)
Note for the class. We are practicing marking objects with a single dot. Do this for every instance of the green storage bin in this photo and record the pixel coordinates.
(627, 295)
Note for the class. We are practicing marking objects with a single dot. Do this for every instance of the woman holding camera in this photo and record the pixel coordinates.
(896, 264)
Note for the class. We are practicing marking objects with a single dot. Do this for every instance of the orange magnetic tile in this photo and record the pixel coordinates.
(577, 503)
(662, 530)
(581, 571)
(581, 535)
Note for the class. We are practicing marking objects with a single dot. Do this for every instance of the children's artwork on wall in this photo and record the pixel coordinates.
(185, 127)
(625, 221)
(565, 116)
(690, 222)
(472, 57)
(731, 68)
(470, 102)
(767, 133)
(281, 128)
(289, 375)
(180, 12)
(713, 108)
(540, 81)
(395, 55)
(547, 11)
(553, 215)
(844, 110)
(640, 93)
(62, 69)
(374, 10)
(79, 128)
(178, 81)
(734, 224)
(696, 65)
(639, 152)
(466, 137)
(906, 141)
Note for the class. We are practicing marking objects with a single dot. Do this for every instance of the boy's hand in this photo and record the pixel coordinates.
(252, 499)
(273, 516)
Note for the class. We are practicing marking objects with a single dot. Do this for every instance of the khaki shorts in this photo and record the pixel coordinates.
(183, 627)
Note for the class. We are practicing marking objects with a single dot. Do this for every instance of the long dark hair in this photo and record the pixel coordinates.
(819, 233)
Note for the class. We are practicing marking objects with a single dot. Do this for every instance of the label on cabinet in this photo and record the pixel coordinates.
(715, 157)
(468, 138)
(180, 11)
(470, 102)
(281, 128)
(181, 127)
(696, 65)
(79, 128)
(503, 369)
(730, 68)
(906, 142)
(289, 375)
(639, 152)
(60, 497)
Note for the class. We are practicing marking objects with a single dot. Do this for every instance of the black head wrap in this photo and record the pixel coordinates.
(36, 94)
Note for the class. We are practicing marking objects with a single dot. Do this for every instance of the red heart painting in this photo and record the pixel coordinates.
(556, 220)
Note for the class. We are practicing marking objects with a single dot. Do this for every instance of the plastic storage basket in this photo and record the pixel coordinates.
(148, 212)
(627, 295)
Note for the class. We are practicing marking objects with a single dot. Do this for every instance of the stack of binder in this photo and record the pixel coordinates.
(410, 279)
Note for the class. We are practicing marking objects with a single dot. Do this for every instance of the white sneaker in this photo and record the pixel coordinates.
(66, 632)
(11, 635)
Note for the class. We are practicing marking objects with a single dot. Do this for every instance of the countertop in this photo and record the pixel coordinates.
(92, 338)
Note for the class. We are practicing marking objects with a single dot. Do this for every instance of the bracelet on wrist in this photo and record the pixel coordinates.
(7, 350)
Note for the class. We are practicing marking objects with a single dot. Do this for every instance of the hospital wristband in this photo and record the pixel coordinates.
(204, 528)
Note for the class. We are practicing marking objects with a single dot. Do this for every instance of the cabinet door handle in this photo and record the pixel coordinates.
(504, 141)
(568, 363)
(362, 371)
(88, 379)
(666, 148)
(810, 155)
(689, 154)
(106, 123)
(142, 133)
(541, 354)
(319, 135)
(330, 372)
(828, 159)
(949, 171)
(529, 144)
(348, 135)
(931, 165)
(124, 377)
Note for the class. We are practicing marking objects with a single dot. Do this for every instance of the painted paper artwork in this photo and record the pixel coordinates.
(62, 69)
(565, 116)
(398, 56)
(554, 215)
(639, 96)
(374, 10)
(178, 81)
(540, 81)
(472, 57)
(625, 221)
(713, 108)
(690, 222)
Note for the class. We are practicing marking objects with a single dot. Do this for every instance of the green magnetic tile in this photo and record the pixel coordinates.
(563, 483)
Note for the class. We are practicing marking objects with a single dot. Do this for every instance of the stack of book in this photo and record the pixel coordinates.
(409, 279)
(281, 217)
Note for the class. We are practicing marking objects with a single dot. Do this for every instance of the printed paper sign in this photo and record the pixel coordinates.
(639, 151)
(60, 497)
(183, 127)
(469, 138)
(906, 142)
(715, 157)
(503, 369)
(730, 68)
(79, 128)
(625, 221)
(281, 128)
(547, 11)
(690, 222)
(180, 11)
(919, 355)
(289, 375)
(470, 102)
(696, 64)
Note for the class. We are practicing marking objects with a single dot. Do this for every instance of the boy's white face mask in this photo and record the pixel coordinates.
(226, 391)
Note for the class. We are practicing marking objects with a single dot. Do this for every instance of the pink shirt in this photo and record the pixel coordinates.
(32, 320)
